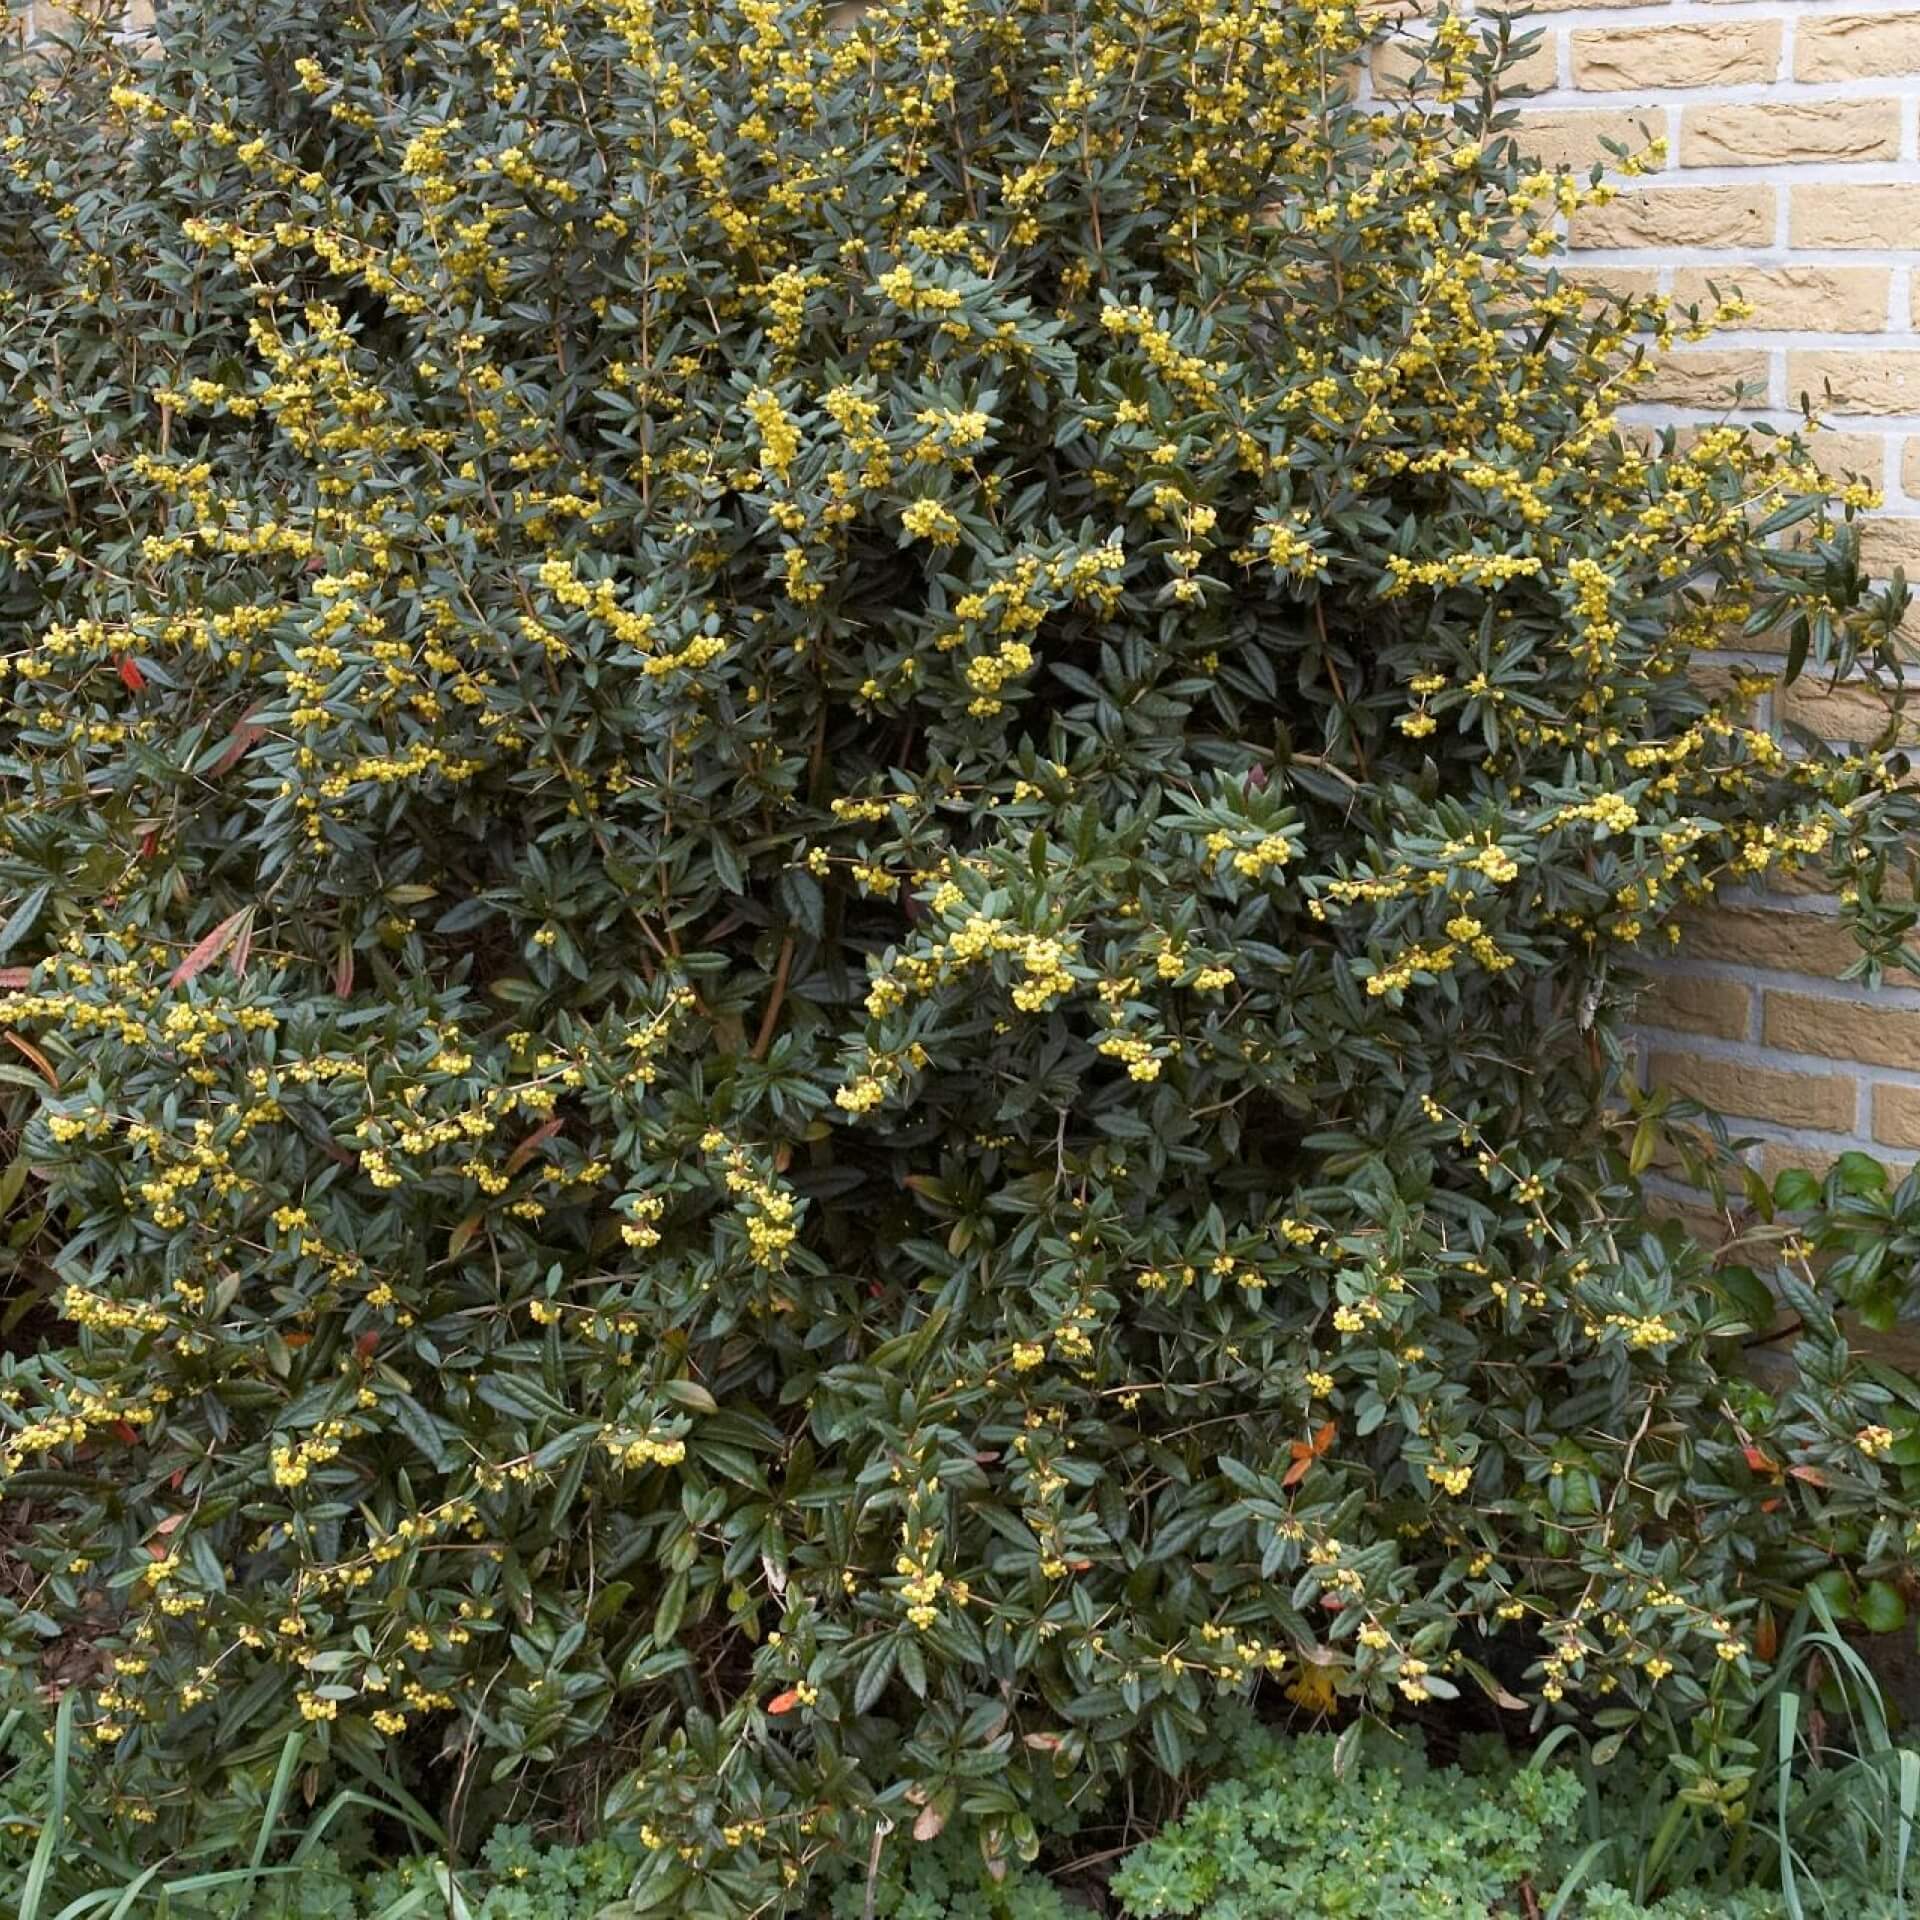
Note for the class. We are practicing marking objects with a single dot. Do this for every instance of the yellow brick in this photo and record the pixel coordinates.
(1751, 136)
(1615, 282)
(1881, 216)
(1567, 6)
(1701, 1223)
(1896, 1116)
(1690, 217)
(1569, 137)
(1787, 299)
(1722, 53)
(1843, 1029)
(1778, 1157)
(1857, 455)
(1395, 63)
(1910, 465)
(1856, 46)
(1838, 713)
(1888, 543)
(1537, 70)
(1838, 382)
(1715, 377)
(1718, 1007)
(1791, 942)
(1860, 456)
(1789, 1099)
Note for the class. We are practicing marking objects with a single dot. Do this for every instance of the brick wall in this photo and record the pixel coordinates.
(1793, 172)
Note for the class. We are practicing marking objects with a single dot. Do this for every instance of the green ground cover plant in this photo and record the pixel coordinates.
(824, 837)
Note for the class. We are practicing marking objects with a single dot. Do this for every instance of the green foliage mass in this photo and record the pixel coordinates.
(1305, 1830)
(824, 837)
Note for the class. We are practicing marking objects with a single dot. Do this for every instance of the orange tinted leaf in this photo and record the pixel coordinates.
(213, 946)
(32, 1054)
(784, 1702)
(1811, 1475)
(172, 1520)
(244, 734)
(532, 1144)
(34, 1058)
(1323, 1437)
(1758, 1460)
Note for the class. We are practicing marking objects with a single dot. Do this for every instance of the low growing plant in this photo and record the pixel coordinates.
(1365, 1828)
(824, 837)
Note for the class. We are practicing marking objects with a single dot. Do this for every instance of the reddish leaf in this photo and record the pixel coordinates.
(784, 1702)
(1811, 1475)
(172, 1520)
(244, 734)
(1306, 1452)
(366, 1344)
(532, 1144)
(13, 979)
(149, 843)
(1759, 1462)
(127, 1432)
(34, 1058)
(931, 1820)
(1766, 1636)
(230, 930)
(130, 675)
(462, 1235)
(343, 970)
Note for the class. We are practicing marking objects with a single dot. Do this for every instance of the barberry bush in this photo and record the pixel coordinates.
(824, 835)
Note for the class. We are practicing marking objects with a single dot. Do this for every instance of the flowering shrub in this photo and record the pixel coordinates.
(824, 835)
